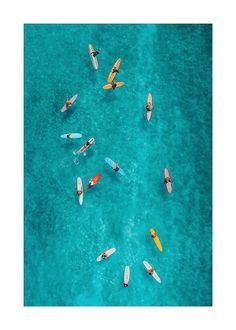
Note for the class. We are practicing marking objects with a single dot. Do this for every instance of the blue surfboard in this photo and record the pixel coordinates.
(110, 162)
(71, 136)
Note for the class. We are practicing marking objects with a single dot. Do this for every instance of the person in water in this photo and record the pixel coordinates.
(113, 84)
(125, 284)
(116, 169)
(97, 52)
(68, 102)
(150, 271)
(167, 180)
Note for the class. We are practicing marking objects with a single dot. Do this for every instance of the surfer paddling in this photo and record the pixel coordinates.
(68, 103)
(95, 53)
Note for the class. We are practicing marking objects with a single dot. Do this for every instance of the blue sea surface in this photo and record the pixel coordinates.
(63, 239)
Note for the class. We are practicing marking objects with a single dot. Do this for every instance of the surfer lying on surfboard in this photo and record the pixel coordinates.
(68, 102)
(79, 192)
(85, 146)
(94, 181)
(95, 53)
(114, 84)
(151, 271)
(116, 169)
(153, 234)
(149, 106)
(104, 255)
(167, 180)
(115, 70)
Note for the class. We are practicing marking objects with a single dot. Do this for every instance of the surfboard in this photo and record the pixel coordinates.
(93, 59)
(80, 188)
(108, 253)
(148, 267)
(94, 181)
(109, 86)
(169, 184)
(72, 100)
(71, 136)
(113, 74)
(85, 146)
(126, 275)
(156, 238)
(113, 165)
(149, 102)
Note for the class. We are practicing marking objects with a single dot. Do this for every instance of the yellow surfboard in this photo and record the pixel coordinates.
(113, 74)
(155, 238)
(109, 86)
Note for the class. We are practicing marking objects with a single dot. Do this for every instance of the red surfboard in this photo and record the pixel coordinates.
(94, 181)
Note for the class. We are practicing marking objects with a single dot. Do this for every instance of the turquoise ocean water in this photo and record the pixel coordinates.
(63, 239)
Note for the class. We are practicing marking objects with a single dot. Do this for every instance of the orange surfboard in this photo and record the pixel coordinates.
(94, 181)
(113, 74)
(109, 86)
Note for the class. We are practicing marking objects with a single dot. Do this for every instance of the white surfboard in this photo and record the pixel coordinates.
(71, 136)
(149, 102)
(80, 188)
(72, 100)
(108, 253)
(126, 276)
(148, 267)
(110, 162)
(85, 146)
(93, 59)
